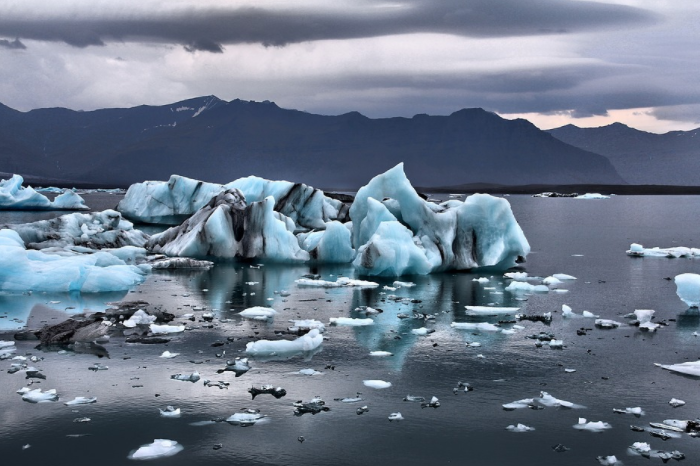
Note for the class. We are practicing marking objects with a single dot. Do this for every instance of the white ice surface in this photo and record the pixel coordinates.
(592, 426)
(160, 448)
(308, 342)
(688, 288)
(258, 313)
(376, 384)
(688, 368)
(349, 321)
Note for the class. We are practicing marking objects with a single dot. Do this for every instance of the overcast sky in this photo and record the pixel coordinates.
(551, 61)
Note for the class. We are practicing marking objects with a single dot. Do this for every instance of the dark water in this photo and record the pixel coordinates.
(614, 368)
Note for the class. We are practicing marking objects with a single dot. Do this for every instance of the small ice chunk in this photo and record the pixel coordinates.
(523, 287)
(395, 417)
(676, 403)
(80, 400)
(376, 384)
(340, 282)
(380, 353)
(589, 314)
(519, 404)
(490, 310)
(481, 280)
(258, 313)
(636, 411)
(37, 396)
(519, 428)
(483, 326)
(569, 371)
(166, 329)
(245, 418)
(169, 411)
(688, 288)
(160, 448)
(169, 355)
(592, 196)
(548, 400)
(308, 342)
(308, 372)
(592, 426)
(556, 344)
(517, 276)
(606, 323)
(349, 321)
(306, 325)
(400, 284)
(608, 460)
(422, 331)
(563, 276)
(551, 281)
(193, 377)
(644, 317)
(139, 317)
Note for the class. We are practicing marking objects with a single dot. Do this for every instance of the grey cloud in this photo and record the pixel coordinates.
(14, 44)
(689, 112)
(208, 29)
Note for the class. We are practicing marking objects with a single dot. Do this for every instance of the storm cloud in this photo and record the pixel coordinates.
(210, 27)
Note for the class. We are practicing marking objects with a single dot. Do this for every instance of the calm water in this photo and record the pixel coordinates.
(614, 368)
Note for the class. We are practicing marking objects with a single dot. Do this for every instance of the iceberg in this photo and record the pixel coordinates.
(160, 448)
(94, 230)
(340, 282)
(28, 270)
(330, 245)
(644, 317)
(166, 329)
(13, 196)
(227, 228)
(479, 232)
(688, 288)
(308, 342)
(37, 396)
(592, 196)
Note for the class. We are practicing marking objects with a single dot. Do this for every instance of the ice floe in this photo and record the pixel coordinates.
(490, 310)
(351, 322)
(395, 417)
(170, 412)
(166, 329)
(592, 196)
(193, 377)
(676, 403)
(308, 342)
(169, 355)
(140, 317)
(592, 426)
(245, 418)
(519, 428)
(39, 396)
(305, 325)
(376, 384)
(340, 282)
(160, 448)
(607, 323)
(637, 250)
(483, 326)
(380, 354)
(258, 313)
(81, 400)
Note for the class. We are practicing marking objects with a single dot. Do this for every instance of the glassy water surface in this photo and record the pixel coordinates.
(614, 368)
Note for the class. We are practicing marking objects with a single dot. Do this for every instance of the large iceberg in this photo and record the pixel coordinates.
(13, 196)
(94, 230)
(479, 232)
(227, 228)
(27, 270)
(173, 202)
(393, 230)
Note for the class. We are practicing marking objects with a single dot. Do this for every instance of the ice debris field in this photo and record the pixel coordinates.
(266, 364)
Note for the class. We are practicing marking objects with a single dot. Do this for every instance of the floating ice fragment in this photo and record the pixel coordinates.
(636, 411)
(380, 353)
(592, 196)
(688, 288)
(483, 326)
(350, 399)
(340, 282)
(422, 331)
(518, 276)
(608, 460)
(193, 377)
(140, 317)
(523, 287)
(563, 276)
(400, 284)
(688, 368)
(519, 404)
(80, 400)
(519, 428)
(277, 392)
(418, 399)
(350, 321)
(166, 329)
(37, 396)
(258, 313)
(308, 372)
(676, 403)
(313, 406)
(606, 323)
(569, 371)
(481, 280)
(548, 400)
(169, 355)
(644, 317)
(376, 384)
(490, 310)
(395, 417)
(160, 448)
(169, 411)
(304, 326)
(245, 418)
(597, 426)
(433, 403)
(551, 281)
(556, 344)
(239, 366)
(308, 342)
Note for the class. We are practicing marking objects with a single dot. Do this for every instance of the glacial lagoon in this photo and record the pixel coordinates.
(613, 368)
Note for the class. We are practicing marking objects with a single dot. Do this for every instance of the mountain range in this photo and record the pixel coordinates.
(210, 139)
(640, 157)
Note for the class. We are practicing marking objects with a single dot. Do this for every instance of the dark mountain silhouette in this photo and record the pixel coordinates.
(640, 157)
(210, 139)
